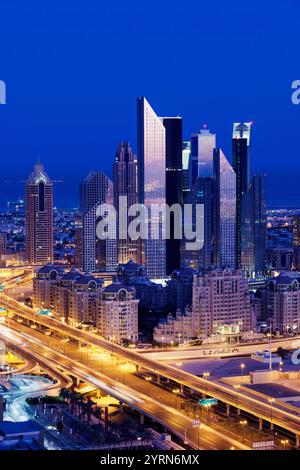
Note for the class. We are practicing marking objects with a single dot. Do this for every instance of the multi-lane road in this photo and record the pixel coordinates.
(167, 415)
(282, 414)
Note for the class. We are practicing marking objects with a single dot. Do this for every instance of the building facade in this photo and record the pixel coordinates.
(282, 302)
(241, 166)
(94, 254)
(151, 138)
(254, 228)
(125, 178)
(174, 186)
(224, 211)
(202, 151)
(117, 314)
(201, 194)
(221, 301)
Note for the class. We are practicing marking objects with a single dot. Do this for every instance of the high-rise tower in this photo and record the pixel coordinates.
(39, 217)
(174, 182)
(224, 211)
(125, 195)
(241, 166)
(202, 147)
(253, 224)
(94, 254)
(151, 137)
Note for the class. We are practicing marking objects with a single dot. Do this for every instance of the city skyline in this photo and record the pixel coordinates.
(61, 112)
(149, 230)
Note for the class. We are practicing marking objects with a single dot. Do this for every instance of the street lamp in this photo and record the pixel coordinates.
(176, 391)
(242, 366)
(206, 376)
(148, 379)
(237, 387)
(271, 401)
(284, 442)
(243, 423)
(196, 423)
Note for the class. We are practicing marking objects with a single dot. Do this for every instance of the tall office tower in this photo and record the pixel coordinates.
(39, 217)
(174, 195)
(186, 166)
(225, 211)
(151, 137)
(241, 166)
(253, 228)
(202, 148)
(202, 193)
(126, 187)
(96, 189)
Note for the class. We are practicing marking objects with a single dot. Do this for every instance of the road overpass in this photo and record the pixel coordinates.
(170, 418)
(283, 415)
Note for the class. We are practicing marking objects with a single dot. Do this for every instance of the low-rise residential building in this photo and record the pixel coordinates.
(221, 299)
(117, 313)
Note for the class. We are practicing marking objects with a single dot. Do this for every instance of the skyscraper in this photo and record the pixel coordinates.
(95, 254)
(225, 211)
(39, 217)
(241, 166)
(151, 137)
(202, 147)
(126, 186)
(174, 195)
(186, 166)
(253, 228)
(201, 193)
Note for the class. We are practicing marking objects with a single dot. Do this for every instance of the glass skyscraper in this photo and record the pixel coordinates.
(241, 166)
(202, 147)
(126, 186)
(151, 137)
(39, 217)
(94, 254)
(253, 242)
(174, 195)
(225, 211)
(202, 193)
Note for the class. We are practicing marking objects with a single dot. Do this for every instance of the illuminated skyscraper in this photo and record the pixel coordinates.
(39, 217)
(186, 166)
(225, 211)
(202, 147)
(126, 186)
(241, 166)
(253, 242)
(202, 193)
(174, 195)
(95, 254)
(151, 137)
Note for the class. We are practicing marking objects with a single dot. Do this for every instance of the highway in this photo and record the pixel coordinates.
(168, 416)
(284, 415)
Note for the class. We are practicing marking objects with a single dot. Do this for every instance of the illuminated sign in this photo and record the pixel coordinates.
(208, 402)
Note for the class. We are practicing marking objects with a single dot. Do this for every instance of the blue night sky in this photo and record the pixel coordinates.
(73, 70)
